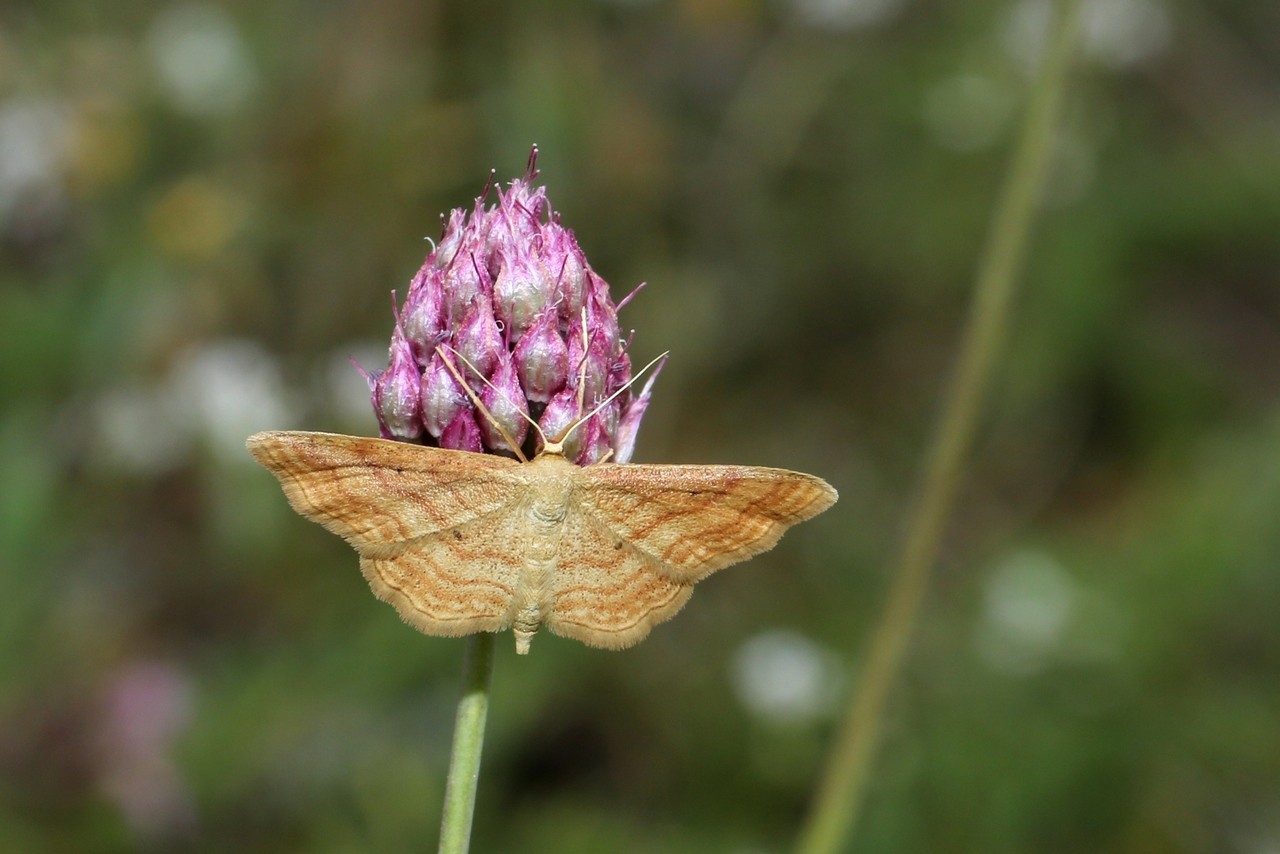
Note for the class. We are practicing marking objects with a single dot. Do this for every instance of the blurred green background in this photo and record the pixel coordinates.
(203, 208)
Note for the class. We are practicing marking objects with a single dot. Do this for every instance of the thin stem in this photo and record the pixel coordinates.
(468, 742)
(840, 793)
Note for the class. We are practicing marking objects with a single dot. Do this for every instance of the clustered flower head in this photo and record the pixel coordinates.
(507, 302)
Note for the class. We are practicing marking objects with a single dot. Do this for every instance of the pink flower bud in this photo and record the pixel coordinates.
(396, 390)
(619, 373)
(602, 318)
(423, 313)
(516, 226)
(520, 292)
(594, 443)
(532, 200)
(508, 409)
(450, 240)
(560, 414)
(591, 366)
(629, 423)
(462, 434)
(542, 358)
(440, 399)
(464, 280)
(479, 339)
(567, 264)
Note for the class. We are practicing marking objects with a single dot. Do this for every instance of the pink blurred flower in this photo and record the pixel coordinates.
(146, 707)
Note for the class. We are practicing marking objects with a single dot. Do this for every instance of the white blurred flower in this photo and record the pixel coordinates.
(140, 428)
(35, 139)
(201, 59)
(1026, 26)
(1120, 33)
(785, 677)
(1115, 33)
(233, 388)
(845, 14)
(1028, 601)
(217, 394)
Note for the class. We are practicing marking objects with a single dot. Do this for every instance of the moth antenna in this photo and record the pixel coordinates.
(576, 424)
(523, 414)
(475, 398)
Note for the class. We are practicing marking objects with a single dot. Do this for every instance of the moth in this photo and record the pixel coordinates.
(460, 542)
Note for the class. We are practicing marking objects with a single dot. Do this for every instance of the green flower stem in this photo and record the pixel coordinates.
(468, 742)
(840, 793)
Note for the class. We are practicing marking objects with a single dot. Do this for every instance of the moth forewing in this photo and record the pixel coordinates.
(694, 520)
(373, 492)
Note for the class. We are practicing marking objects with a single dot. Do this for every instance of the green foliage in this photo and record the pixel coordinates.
(202, 209)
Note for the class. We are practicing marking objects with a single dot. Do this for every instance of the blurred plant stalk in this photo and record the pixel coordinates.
(468, 745)
(839, 797)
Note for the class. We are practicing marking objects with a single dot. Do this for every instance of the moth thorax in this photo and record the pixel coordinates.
(550, 499)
